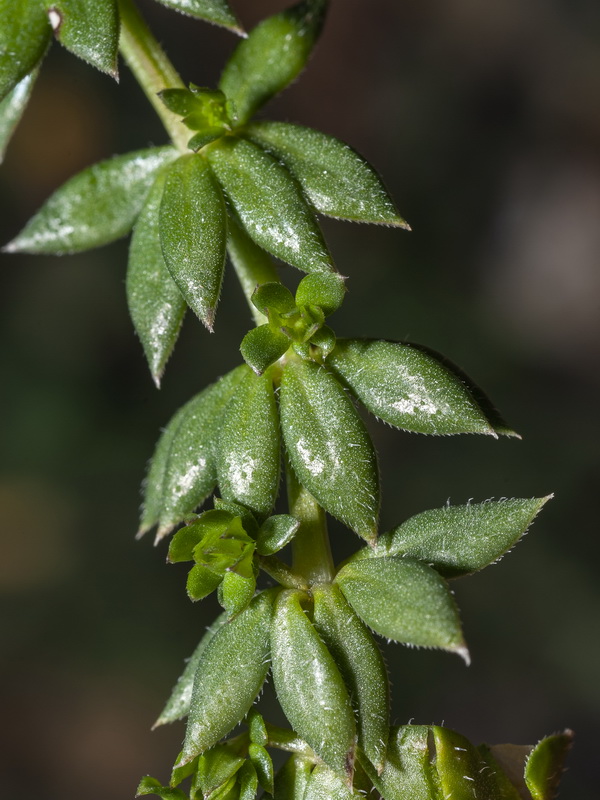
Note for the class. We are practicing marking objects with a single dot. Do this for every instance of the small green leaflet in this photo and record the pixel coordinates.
(336, 179)
(269, 204)
(155, 303)
(275, 533)
(408, 387)
(178, 704)
(263, 765)
(404, 600)
(215, 769)
(89, 29)
(458, 540)
(248, 450)
(150, 785)
(362, 667)
(309, 686)
(230, 675)
(25, 33)
(216, 11)
(193, 234)
(545, 765)
(12, 108)
(183, 471)
(262, 346)
(274, 53)
(325, 438)
(94, 207)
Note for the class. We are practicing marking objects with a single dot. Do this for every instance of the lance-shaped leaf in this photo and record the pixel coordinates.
(183, 470)
(193, 234)
(497, 781)
(358, 657)
(458, 540)
(248, 460)
(271, 57)
(230, 675)
(25, 33)
(407, 772)
(329, 447)
(309, 686)
(459, 767)
(155, 303)
(325, 291)
(94, 207)
(292, 779)
(216, 11)
(248, 782)
(545, 765)
(12, 108)
(89, 29)
(408, 387)
(178, 704)
(263, 765)
(335, 178)
(269, 204)
(404, 600)
(324, 784)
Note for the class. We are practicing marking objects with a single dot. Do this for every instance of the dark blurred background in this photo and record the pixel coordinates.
(484, 119)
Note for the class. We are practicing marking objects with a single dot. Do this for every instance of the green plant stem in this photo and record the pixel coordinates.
(310, 547)
(276, 568)
(287, 740)
(151, 68)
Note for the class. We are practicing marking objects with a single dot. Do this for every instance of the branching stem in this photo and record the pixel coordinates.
(151, 68)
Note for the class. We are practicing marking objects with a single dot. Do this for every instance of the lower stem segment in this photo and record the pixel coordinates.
(311, 549)
(151, 68)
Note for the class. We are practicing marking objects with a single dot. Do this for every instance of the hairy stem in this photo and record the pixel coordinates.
(280, 571)
(151, 68)
(311, 549)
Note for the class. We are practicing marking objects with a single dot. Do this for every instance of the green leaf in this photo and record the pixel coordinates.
(274, 53)
(359, 660)
(404, 600)
(325, 291)
(309, 686)
(407, 387)
(257, 729)
(292, 779)
(235, 592)
(216, 11)
(545, 765)
(182, 471)
(216, 768)
(263, 765)
(497, 782)
(201, 581)
(12, 108)
(155, 303)
(335, 178)
(229, 676)
(24, 36)
(248, 459)
(324, 784)
(407, 772)
(329, 447)
(458, 540)
(94, 207)
(275, 533)
(273, 295)
(458, 766)
(269, 204)
(178, 704)
(248, 781)
(89, 29)
(262, 346)
(150, 785)
(193, 234)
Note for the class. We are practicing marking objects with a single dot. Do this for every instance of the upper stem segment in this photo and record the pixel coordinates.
(311, 550)
(151, 68)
